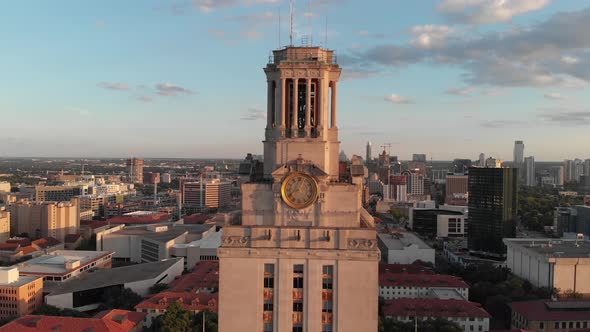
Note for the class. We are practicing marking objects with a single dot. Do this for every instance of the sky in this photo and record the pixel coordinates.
(449, 78)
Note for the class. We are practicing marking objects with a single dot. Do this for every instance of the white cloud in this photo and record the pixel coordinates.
(207, 6)
(465, 91)
(254, 114)
(554, 96)
(488, 11)
(430, 36)
(145, 99)
(554, 52)
(397, 99)
(167, 89)
(114, 86)
(569, 60)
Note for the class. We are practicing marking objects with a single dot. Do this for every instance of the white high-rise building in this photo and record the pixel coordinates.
(529, 167)
(482, 160)
(518, 159)
(569, 170)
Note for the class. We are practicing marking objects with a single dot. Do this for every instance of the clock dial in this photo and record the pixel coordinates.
(299, 190)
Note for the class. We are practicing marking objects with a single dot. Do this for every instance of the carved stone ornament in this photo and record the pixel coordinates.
(362, 244)
(235, 241)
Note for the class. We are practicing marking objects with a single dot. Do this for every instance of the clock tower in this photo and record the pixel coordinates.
(304, 257)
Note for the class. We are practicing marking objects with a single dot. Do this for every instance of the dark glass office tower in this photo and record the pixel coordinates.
(492, 210)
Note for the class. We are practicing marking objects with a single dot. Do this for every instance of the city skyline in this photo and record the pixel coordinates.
(149, 80)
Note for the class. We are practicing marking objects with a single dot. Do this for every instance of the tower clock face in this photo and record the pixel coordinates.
(299, 190)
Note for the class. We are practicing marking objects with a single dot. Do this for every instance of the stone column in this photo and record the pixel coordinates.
(282, 108)
(269, 108)
(294, 126)
(280, 105)
(319, 95)
(308, 108)
(334, 108)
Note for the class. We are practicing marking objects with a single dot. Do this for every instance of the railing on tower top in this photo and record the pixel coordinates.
(331, 59)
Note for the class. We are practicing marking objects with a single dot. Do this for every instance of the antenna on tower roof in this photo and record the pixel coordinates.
(309, 15)
(291, 23)
(326, 41)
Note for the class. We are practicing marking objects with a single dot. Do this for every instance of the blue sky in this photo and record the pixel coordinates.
(448, 78)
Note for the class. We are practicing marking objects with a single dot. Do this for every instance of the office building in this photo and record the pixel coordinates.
(404, 248)
(105, 321)
(482, 160)
(492, 210)
(456, 190)
(303, 236)
(529, 172)
(5, 186)
(587, 167)
(166, 178)
(570, 222)
(558, 174)
(470, 316)
(518, 160)
(4, 225)
(493, 163)
(135, 169)
(85, 293)
(213, 194)
(45, 219)
(58, 193)
(437, 223)
(416, 182)
(151, 178)
(18, 249)
(551, 263)
(461, 166)
(61, 265)
(550, 316)
(150, 243)
(19, 295)
(401, 285)
(419, 157)
(369, 153)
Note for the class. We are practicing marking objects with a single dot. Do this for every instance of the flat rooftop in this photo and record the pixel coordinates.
(554, 248)
(55, 262)
(399, 241)
(22, 280)
(115, 276)
(171, 233)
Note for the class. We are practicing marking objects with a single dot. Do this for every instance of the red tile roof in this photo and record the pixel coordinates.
(538, 310)
(94, 224)
(405, 268)
(149, 219)
(71, 238)
(22, 242)
(433, 308)
(205, 275)
(9, 246)
(420, 280)
(110, 321)
(197, 218)
(28, 249)
(46, 242)
(189, 301)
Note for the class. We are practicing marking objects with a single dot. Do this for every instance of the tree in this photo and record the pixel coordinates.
(210, 321)
(176, 319)
(120, 298)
